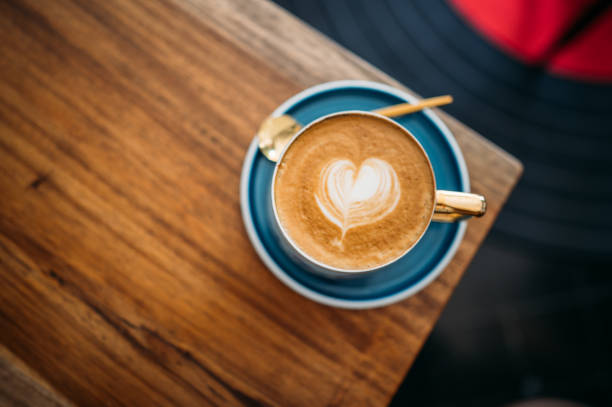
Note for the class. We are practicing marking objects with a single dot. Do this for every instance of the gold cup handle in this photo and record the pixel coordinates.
(454, 206)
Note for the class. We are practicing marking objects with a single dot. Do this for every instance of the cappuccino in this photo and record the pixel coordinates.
(354, 191)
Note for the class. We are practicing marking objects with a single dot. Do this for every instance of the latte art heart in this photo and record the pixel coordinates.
(350, 197)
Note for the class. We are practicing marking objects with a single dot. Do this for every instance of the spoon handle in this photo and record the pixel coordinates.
(406, 108)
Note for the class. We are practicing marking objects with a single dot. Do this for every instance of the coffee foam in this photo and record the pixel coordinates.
(350, 200)
(354, 192)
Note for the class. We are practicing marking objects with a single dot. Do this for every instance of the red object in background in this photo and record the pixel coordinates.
(530, 29)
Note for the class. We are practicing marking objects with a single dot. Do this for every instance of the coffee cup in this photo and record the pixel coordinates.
(353, 192)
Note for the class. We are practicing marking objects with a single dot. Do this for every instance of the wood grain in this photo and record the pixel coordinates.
(21, 386)
(127, 277)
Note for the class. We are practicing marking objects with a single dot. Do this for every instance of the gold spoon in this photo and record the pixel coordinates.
(275, 132)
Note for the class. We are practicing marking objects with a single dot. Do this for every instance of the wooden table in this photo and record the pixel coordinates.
(126, 274)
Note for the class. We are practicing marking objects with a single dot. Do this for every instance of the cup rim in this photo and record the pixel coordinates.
(307, 257)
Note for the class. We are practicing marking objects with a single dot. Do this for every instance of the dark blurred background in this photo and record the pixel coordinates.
(532, 316)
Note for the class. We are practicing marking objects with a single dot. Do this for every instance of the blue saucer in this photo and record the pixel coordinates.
(410, 273)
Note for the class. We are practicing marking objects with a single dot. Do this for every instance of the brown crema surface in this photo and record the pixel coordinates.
(354, 141)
